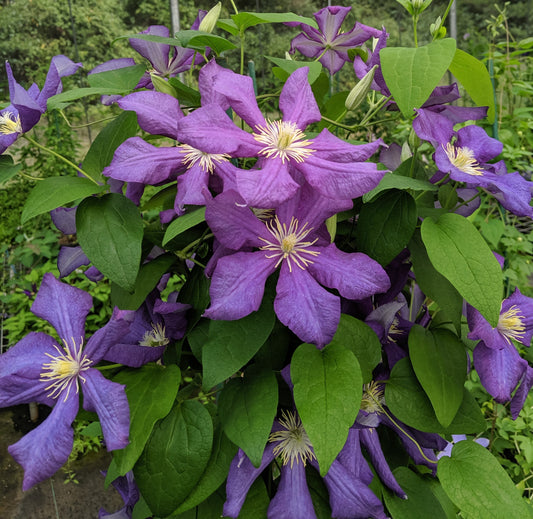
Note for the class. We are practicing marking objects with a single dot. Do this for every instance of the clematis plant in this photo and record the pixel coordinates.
(240, 232)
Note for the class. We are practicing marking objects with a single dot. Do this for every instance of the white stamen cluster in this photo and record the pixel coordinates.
(155, 337)
(206, 160)
(511, 324)
(10, 123)
(64, 368)
(463, 159)
(294, 444)
(289, 243)
(283, 140)
(373, 399)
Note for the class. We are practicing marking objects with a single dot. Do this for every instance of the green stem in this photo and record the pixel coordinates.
(445, 15)
(373, 110)
(111, 366)
(85, 125)
(194, 243)
(415, 23)
(340, 125)
(234, 7)
(57, 155)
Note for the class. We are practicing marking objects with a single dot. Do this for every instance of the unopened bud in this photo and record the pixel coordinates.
(406, 152)
(161, 85)
(359, 91)
(210, 19)
(414, 139)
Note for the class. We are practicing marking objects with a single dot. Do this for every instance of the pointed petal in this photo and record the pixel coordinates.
(105, 337)
(241, 476)
(26, 105)
(474, 137)
(521, 393)
(433, 127)
(60, 66)
(156, 53)
(65, 307)
(329, 20)
(297, 101)
(69, 259)
(108, 399)
(137, 161)
(157, 113)
(292, 499)
(238, 285)
(307, 46)
(64, 218)
(352, 458)
(44, 450)
(191, 185)
(302, 305)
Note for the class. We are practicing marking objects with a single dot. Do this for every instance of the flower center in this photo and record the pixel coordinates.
(373, 399)
(289, 243)
(10, 123)
(463, 159)
(511, 324)
(394, 330)
(283, 140)
(155, 337)
(64, 368)
(206, 160)
(294, 444)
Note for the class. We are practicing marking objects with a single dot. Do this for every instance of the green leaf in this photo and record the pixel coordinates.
(394, 181)
(149, 275)
(216, 472)
(107, 141)
(420, 500)
(175, 457)
(407, 401)
(54, 192)
(288, 66)
(195, 292)
(125, 78)
(8, 169)
(151, 391)
(110, 232)
(412, 74)
(474, 76)
(188, 96)
(434, 285)
(227, 346)
(62, 100)
(439, 361)
(328, 387)
(460, 254)
(247, 406)
(183, 223)
(362, 341)
(386, 225)
(245, 20)
(478, 484)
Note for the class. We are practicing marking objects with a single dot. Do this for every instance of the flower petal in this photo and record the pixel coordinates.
(69, 259)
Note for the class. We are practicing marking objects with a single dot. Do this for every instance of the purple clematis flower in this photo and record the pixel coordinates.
(296, 240)
(362, 68)
(328, 42)
(27, 106)
(38, 369)
(129, 492)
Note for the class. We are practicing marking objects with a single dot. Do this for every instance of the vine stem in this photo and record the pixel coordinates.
(57, 155)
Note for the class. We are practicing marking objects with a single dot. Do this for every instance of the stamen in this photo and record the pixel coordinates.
(511, 324)
(283, 140)
(289, 243)
(263, 214)
(155, 337)
(206, 160)
(394, 330)
(65, 368)
(10, 123)
(463, 159)
(294, 444)
(373, 398)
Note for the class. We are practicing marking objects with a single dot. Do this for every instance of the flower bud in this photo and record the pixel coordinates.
(359, 91)
(210, 19)
(161, 85)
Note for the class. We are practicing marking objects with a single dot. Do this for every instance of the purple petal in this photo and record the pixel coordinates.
(475, 138)
(307, 46)
(367, 276)
(26, 105)
(105, 337)
(65, 307)
(60, 66)
(292, 499)
(69, 259)
(433, 127)
(113, 64)
(329, 20)
(297, 101)
(20, 370)
(137, 161)
(191, 186)
(519, 398)
(108, 399)
(157, 113)
(241, 476)
(302, 305)
(352, 458)
(44, 450)
(238, 285)
(156, 53)
(64, 218)
(512, 190)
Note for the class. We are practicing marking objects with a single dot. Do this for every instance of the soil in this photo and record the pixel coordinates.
(53, 498)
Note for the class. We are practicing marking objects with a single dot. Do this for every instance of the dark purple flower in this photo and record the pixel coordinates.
(328, 42)
(38, 369)
(286, 158)
(296, 240)
(129, 492)
(27, 106)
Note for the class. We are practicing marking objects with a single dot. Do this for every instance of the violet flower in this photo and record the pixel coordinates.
(38, 369)
(328, 41)
(287, 159)
(129, 492)
(27, 106)
(296, 240)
